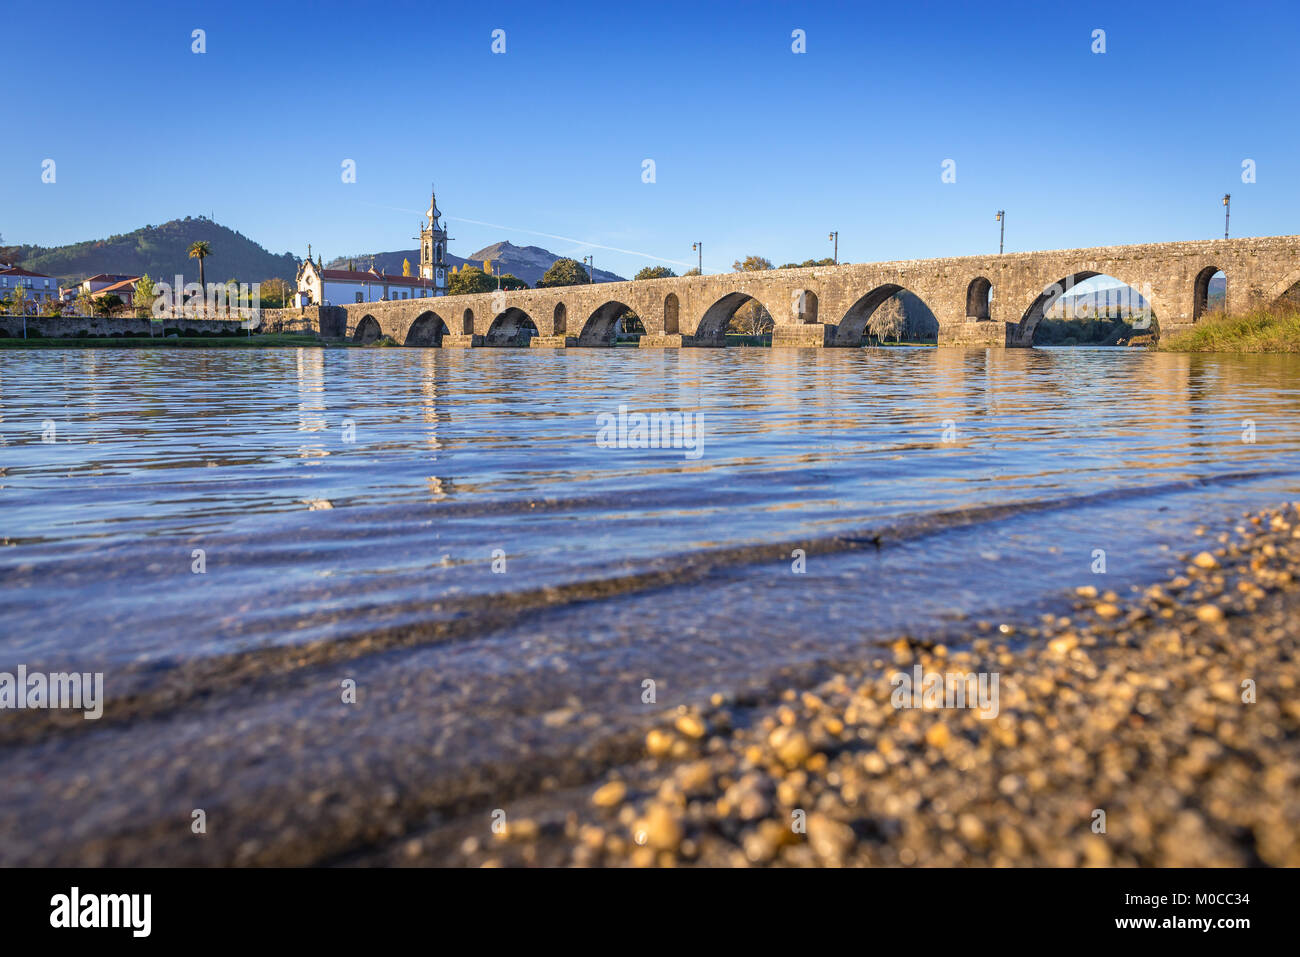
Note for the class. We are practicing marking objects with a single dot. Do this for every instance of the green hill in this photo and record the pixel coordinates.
(161, 251)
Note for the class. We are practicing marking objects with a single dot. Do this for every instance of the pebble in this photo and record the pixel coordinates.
(692, 726)
(609, 795)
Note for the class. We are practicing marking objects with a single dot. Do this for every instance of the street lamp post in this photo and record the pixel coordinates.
(1227, 211)
(835, 238)
(699, 248)
(592, 266)
(1002, 234)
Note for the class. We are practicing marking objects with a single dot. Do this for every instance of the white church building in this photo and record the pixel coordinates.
(320, 286)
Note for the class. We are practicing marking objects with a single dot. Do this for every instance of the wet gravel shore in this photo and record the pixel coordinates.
(1157, 727)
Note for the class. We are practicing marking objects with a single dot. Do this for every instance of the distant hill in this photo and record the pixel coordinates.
(529, 263)
(161, 251)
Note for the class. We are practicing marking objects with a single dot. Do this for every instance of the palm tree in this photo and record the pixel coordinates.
(199, 250)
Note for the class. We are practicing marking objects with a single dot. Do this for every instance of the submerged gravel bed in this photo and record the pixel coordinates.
(1154, 728)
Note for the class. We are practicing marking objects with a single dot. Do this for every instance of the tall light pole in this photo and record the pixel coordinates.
(592, 266)
(699, 248)
(1002, 234)
(835, 238)
(1227, 211)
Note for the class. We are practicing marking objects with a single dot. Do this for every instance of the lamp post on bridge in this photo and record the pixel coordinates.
(1002, 232)
(592, 266)
(1227, 211)
(835, 238)
(699, 248)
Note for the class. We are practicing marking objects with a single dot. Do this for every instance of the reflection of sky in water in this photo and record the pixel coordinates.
(456, 454)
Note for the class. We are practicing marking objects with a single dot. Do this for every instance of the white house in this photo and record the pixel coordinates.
(317, 286)
(37, 286)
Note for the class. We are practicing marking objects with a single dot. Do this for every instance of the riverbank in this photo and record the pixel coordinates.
(1161, 728)
(1274, 329)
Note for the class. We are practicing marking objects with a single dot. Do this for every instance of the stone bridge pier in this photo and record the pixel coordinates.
(982, 301)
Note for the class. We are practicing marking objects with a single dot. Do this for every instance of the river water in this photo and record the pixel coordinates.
(158, 505)
(447, 529)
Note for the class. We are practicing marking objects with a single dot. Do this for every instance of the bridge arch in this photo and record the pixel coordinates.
(367, 330)
(1201, 291)
(467, 323)
(979, 297)
(514, 327)
(427, 330)
(803, 305)
(712, 327)
(601, 325)
(1288, 288)
(560, 320)
(854, 322)
(672, 312)
(1021, 334)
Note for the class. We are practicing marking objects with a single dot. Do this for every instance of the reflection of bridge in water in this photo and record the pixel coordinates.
(978, 300)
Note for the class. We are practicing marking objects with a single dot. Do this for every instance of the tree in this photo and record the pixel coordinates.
(275, 293)
(18, 301)
(143, 296)
(809, 262)
(510, 281)
(655, 272)
(751, 264)
(406, 268)
(104, 305)
(564, 272)
(888, 320)
(470, 279)
(751, 319)
(200, 250)
(85, 303)
(693, 271)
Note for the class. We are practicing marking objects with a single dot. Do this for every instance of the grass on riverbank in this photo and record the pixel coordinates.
(1273, 329)
(271, 340)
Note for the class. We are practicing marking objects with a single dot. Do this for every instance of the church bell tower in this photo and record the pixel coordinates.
(433, 248)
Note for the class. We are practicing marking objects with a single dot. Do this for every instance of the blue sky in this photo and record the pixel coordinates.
(757, 149)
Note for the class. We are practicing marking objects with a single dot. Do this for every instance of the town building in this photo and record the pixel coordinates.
(36, 286)
(124, 289)
(99, 285)
(317, 285)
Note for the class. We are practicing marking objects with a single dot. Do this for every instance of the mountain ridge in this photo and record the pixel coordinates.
(528, 263)
(162, 251)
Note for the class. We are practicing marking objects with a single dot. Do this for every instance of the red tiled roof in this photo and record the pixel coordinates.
(348, 275)
(19, 271)
(113, 277)
(124, 285)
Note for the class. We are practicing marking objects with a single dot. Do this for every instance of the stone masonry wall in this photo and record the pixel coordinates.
(827, 306)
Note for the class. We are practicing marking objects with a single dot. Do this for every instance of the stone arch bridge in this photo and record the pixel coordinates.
(989, 301)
